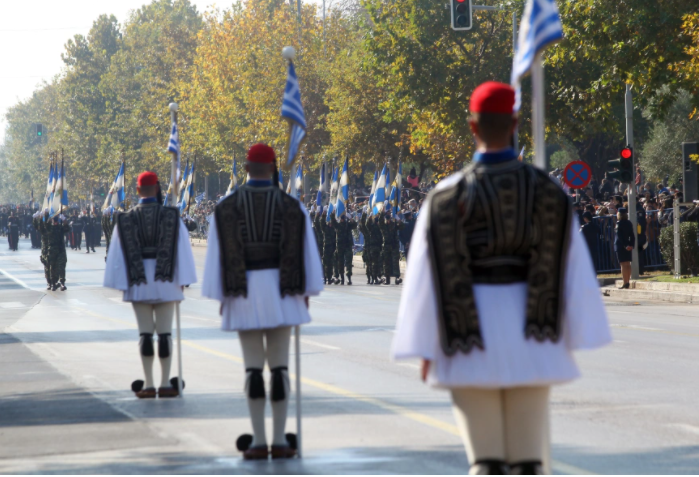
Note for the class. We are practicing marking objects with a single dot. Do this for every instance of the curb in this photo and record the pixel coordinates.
(652, 295)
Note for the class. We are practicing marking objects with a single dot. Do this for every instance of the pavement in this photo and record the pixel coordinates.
(68, 359)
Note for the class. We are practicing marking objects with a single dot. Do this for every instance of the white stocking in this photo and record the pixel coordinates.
(278, 355)
(163, 325)
(254, 357)
(144, 317)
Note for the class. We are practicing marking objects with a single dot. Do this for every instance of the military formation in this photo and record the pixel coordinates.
(381, 251)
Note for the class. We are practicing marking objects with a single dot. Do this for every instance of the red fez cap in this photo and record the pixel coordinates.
(493, 97)
(262, 154)
(147, 178)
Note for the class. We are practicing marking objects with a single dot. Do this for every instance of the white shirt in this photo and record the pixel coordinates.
(509, 359)
(264, 306)
(153, 291)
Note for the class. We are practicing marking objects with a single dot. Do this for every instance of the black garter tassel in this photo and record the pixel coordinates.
(256, 384)
(278, 384)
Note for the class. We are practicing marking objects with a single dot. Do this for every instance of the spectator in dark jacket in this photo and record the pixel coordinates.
(624, 243)
(642, 226)
(592, 234)
(406, 233)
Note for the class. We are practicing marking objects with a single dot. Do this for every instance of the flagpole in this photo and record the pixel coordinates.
(538, 121)
(180, 387)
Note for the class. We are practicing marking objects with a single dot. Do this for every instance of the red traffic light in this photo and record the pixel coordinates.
(460, 1)
(626, 153)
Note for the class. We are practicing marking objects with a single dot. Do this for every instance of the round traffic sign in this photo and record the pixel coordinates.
(577, 175)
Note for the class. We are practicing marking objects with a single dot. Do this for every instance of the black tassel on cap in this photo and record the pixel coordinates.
(278, 384)
(255, 384)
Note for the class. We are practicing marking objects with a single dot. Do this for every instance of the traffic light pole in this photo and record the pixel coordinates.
(632, 187)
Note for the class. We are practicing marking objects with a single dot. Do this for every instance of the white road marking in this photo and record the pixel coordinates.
(409, 365)
(74, 301)
(686, 427)
(320, 345)
(636, 327)
(13, 304)
(15, 279)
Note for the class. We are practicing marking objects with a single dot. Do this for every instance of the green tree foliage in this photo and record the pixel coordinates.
(661, 154)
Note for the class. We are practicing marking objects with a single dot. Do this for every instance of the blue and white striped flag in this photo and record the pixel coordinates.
(118, 196)
(57, 196)
(397, 185)
(343, 191)
(166, 201)
(174, 147)
(333, 195)
(49, 187)
(199, 198)
(281, 180)
(298, 183)
(188, 190)
(377, 203)
(540, 27)
(321, 186)
(388, 182)
(373, 187)
(292, 110)
(234, 180)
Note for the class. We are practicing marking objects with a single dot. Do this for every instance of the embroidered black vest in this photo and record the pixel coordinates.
(261, 228)
(501, 223)
(149, 231)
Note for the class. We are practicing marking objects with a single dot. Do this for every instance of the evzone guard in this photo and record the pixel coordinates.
(150, 259)
(262, 264)
(500, 291)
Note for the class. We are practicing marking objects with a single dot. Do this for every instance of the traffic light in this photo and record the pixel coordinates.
(39, 130)
(461, 14)
(622, 167)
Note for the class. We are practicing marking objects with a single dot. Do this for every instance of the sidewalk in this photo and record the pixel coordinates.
(655, 291)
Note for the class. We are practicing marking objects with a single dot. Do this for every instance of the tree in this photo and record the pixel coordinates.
(661, 153)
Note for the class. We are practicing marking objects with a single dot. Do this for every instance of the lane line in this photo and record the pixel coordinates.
(320, 345)
(332, 389)
(686, 427)
(15, 279)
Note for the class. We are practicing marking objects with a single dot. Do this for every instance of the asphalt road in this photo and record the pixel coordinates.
(68, 358)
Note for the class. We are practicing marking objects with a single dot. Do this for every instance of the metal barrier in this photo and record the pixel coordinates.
(606, 261)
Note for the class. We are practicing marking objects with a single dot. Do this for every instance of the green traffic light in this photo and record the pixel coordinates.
(38, 133)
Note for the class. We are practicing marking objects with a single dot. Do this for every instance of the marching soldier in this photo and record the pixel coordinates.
(495, 303)
(317, 231)
(108, 221)
(56, 252)
(263, 284)
(77, 225)
(364, 229)
(390, 253)
(13, 231)
(329, 247)
(89, 228)
(344, 247)
(41, 226)
(150, 260)
(375, 250)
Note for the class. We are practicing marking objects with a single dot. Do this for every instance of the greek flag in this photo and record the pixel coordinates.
(298, 185)
(343, 192)
(333, 195)
(174, 147)
(397, 186)
(199, 198)
(388, 182)
(188, 191)
(234, 180)
(540, 27)
(281, 180)
(373, 186)
(292, 110)
(57, 194)
(167, 195)
(117, 191)
(321, 187)
(183, 182)
(49, 188)
(377, 203)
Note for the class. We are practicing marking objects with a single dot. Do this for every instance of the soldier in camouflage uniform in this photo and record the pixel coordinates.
(316, 228)
(43, 231)
(57, 259)
(375, 251)
(364, 229)
(108, 221)
(390, 253)
(344, 247)
(329, 239)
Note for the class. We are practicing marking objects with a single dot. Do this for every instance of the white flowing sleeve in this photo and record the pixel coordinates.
(585, 324)
(311, 259)
(417, 334)
(211, 286)
(186, 270)
(115, 269)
